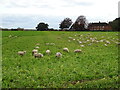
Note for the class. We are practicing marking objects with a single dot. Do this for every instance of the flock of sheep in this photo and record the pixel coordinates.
(40, 55)
(89, 38)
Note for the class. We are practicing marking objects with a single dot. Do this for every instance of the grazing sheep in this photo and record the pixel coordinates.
(101, 40)
(118, 43)
(10, 36)
(47, 43)
(80, 42)
(37, 47)
(66, 49)
(73, 39)
(21, 53)
(107, 42)
(37, 43)
(77, 51)
(52, 43)
(48, 51)
(15, 36)
(82, 45)
(105, 45)
(35, 54)
(34, 51)
(69, 41)
(88, 40)
(70, 37)
(38, 55)
(58, 54)
(97, 41)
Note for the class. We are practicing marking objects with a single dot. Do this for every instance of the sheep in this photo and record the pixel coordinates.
(34, 51)
(35, 54)
(69, 41)
(105, 45)
(77, 51)
(66, 49)
(73, 39)
(88, 40)
(47, 44)
(37, 43)
(15, 36)
(48, 51)
(107, 42)
(70, 37)
(58, 54)
(101, 40)
(10, 36)
(82, 45)
(80, 42)
(37, 47)
(38, 55)
(52, 44)
(21, 53)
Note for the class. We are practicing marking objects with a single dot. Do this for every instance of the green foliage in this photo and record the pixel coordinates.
(95, 67)
(115, 24)
(42, 27)
(65, 23)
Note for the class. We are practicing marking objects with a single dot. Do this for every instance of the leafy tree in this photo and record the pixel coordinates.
(115, 24)
(80, 23)
(42, 27)
(65, 23)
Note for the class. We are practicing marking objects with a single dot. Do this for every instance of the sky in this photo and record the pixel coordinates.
(28, 13)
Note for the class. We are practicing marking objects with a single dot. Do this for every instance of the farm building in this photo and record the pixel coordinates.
(99, 26)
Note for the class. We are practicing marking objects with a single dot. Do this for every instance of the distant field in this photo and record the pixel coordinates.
(95, 67)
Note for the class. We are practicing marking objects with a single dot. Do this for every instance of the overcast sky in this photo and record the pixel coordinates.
(28, 13)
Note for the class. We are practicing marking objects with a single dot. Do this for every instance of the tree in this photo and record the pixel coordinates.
(80, 23)
(115, 24)
(65, 23)
(42, 27)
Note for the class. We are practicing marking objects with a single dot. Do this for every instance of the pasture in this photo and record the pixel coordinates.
(95, 67)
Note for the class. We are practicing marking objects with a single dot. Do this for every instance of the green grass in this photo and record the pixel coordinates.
(95, 67)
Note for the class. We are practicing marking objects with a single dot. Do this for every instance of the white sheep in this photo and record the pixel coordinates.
(47, 43)
(77, 51)
(10, 36)
(34, 51)
(82, 45)
(73, 39)
(58, 54)
(37, 47)
(37, 43)
(48, 51)
(80, 42)
(105, 45)
(52, 43)
(66, 49)
(69, 41)
(38, 55)
(107, 42)
(21, 53)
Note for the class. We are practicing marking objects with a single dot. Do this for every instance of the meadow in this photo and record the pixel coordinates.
(95, 67)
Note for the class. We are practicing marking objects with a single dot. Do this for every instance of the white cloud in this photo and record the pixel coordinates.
(94, 10)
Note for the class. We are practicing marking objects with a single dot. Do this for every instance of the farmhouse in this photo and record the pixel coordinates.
(99, 26)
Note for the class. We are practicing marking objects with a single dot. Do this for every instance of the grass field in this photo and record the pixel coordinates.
(95, 67)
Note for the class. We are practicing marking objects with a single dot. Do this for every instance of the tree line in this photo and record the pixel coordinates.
(81, 23)
(67, 24)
